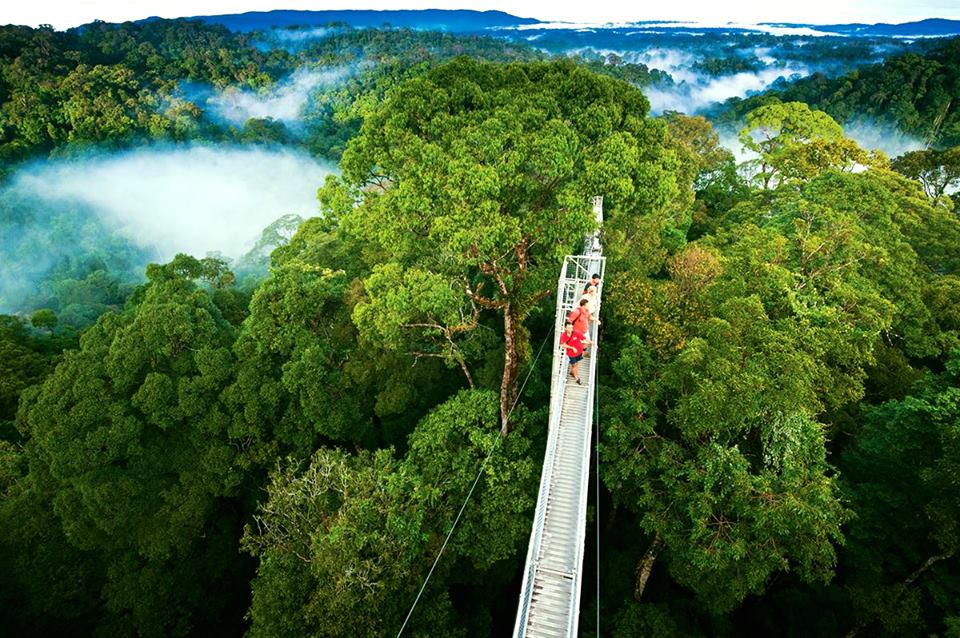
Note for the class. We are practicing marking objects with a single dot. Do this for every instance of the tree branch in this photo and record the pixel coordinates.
(930, 562)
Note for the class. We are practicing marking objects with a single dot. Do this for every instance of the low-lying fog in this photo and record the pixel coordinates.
(869, 135)
(193, 199)
(285, 101)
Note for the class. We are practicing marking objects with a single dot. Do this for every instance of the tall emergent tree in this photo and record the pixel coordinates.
(470, 183)
(795, 143)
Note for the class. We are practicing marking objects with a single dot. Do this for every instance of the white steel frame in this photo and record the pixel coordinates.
(574, 275)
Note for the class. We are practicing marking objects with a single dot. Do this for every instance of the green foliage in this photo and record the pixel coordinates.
(915, 93)
(114, 84)
(341, 545)
(636, 74)
(47, 586)
(716, 67)
(474, 180)
(747, 331)
(345, 542)
(901, 479)
(20, 366)
(655, 621)
(291, 385)
(698, 145)
(936, 170)
(447, 448)
(707, 166)
(119, 84)
(418, 313)
(737, 355)
(44, 319)
(63, 258)
(383, 58)
(101, 103)
(302, 375)
(129, 440)
(264, 131)
(25, 359)
(796, 144)
(733, 478)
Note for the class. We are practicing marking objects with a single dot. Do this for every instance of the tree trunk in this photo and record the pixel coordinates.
(644, 567)
(508, 386)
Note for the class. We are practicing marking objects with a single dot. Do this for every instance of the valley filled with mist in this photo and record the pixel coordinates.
(269, 282)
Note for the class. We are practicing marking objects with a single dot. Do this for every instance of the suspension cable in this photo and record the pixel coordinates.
(483, 465)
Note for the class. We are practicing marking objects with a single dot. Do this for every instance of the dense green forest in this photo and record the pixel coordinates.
(124, 84)
(918, 94)
(187, 451)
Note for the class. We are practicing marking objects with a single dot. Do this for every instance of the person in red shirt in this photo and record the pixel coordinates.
(580, 318)
(574, 341)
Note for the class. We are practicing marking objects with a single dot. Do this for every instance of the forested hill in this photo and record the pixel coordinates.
(116, 84)
(119, 85)
(919, 94)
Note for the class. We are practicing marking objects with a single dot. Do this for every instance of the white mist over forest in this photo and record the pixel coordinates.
(284, 101)
(698, 91)
(868, 134)
(666, 59)
(195, 199)
(884, 137)
(300, 35)
(693, 90)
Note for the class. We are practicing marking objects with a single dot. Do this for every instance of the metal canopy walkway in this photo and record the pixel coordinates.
(550, 595)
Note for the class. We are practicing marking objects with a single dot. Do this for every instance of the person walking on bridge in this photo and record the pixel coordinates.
(591, 296)
(594, 281)
(580, 318)
(574, 341)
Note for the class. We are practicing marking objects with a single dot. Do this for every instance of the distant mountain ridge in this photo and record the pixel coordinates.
(457, 20)
(470, 21)
(928, 27)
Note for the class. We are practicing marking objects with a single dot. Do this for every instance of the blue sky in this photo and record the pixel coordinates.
(67, 13)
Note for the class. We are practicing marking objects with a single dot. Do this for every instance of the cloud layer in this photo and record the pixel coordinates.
(698, 92)
(285, 101)
(873, 136)
(195, 200)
